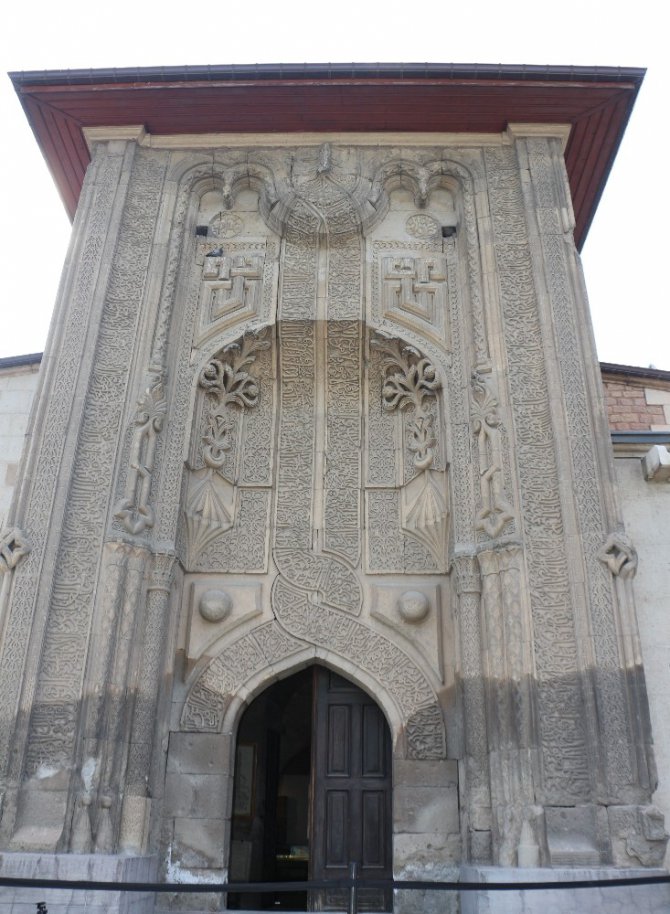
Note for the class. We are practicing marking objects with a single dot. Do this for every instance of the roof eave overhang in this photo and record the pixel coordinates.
(335, 98)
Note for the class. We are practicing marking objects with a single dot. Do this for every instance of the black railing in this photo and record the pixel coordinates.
(353, 884)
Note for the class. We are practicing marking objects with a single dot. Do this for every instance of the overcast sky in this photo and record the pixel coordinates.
(627, 249)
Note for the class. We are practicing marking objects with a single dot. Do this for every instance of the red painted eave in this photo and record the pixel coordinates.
(595, 102)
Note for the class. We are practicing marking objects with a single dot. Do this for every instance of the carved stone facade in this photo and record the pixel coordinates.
(320, 423)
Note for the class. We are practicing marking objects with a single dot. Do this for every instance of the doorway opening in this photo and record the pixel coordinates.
(312, 793)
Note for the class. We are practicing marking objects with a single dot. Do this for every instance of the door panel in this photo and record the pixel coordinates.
(351, 791)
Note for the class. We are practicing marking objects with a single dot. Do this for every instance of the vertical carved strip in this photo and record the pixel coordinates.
(100, 189)
(477, 787)
(563, 747)
(508, 670)
(297, 344)
(52, 728)
(342, 481)
(611, 696)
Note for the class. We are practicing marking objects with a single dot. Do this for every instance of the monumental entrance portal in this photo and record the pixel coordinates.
(316, 554)
(312, 792)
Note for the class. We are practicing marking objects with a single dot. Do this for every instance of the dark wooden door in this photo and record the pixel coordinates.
(351, 791)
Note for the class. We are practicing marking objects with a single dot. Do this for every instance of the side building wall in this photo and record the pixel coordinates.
(18, 383)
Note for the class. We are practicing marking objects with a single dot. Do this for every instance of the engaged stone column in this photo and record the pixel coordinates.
(476, 786)
(142, 761)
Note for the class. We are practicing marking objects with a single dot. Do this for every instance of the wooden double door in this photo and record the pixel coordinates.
(351, 791)
(321, 798)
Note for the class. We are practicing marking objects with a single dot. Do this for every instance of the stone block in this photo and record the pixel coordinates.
(425, 772)
(198, 796)
(424, 856)
(426, 810)
(576, 835)
(638, 835)
(652, 899)
(199, 843)
(199, 753)
(656, 463)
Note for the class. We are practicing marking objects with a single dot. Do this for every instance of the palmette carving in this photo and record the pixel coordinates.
(134, 510)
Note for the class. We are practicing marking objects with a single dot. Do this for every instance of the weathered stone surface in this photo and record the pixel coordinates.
(198, 753)
(350, 422)
(199, 843)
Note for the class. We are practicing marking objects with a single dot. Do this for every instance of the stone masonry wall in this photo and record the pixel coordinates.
(17, 389)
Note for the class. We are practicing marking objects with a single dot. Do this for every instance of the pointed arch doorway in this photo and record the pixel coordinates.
(312, 792)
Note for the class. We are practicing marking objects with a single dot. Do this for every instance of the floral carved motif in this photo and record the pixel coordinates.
(228, 384)
(134, 510)
(495, 510)
(409, 382)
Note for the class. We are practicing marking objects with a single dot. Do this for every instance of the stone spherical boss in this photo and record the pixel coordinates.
(413, 606)
(215, 605)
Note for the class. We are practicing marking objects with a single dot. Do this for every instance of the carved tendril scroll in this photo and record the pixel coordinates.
(495, 511)
(228, 384)
(410, 380)
(134, 510)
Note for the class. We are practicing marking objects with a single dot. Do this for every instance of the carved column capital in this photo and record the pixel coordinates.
(468, 578)
(500, 558)
(162, 572)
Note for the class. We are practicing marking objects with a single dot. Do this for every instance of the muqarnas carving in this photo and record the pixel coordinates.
(229, 388)
(410, 381)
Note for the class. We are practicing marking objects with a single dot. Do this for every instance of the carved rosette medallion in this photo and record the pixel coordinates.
(226, 225)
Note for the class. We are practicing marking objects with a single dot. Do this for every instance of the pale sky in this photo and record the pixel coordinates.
(625, 253)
